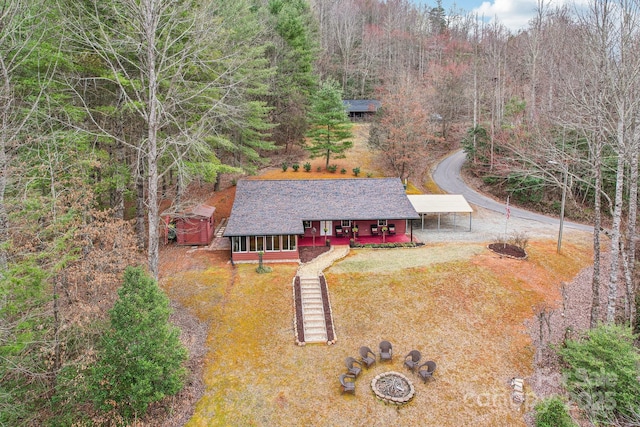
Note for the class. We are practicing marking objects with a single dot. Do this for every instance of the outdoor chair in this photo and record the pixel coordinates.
(348, 383)
(425, 371)
(353, 366)
(374, 230)
(368, 357)
(392, 229)
(385, 350)
(412, 360)
(339, 232)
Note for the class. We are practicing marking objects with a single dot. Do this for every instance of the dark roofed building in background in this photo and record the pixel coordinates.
(270, 216)
(361, 109)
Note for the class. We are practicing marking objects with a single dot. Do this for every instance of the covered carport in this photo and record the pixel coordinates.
(429, 204)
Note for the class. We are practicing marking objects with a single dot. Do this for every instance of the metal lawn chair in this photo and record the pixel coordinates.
(368, 357)
(353, 366)
(385, 350)
(348, 383)
(425, 371)
(412, 360)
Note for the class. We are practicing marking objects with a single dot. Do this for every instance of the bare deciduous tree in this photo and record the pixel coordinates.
(182, 69)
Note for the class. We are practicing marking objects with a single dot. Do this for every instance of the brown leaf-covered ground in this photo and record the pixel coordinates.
(460, 304)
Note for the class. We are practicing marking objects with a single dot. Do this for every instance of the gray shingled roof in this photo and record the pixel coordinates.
(361, 105)
(268, 207)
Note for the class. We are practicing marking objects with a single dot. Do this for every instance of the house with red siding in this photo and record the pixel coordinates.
(272, 216)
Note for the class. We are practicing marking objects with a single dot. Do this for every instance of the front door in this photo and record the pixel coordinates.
(326, 225)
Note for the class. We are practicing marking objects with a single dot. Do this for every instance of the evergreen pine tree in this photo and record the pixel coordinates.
(331, 126)
(140, 359)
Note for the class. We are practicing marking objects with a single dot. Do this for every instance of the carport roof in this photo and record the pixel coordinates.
(439, 203)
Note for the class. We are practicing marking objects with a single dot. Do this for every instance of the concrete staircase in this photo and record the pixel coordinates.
(315, 328)
(313, 307)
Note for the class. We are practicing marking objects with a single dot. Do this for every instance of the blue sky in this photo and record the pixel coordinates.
(513, 14)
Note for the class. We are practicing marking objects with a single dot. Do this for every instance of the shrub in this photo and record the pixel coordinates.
(318, 169)
(295, 167)
(307, 167)
(602, 371)
(356, 171)
(519, 239)
(343, 171)
(552, 412)
(285, 166)
(332, 168)
(140, 357)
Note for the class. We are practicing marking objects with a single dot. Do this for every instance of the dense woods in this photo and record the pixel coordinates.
(109, 107)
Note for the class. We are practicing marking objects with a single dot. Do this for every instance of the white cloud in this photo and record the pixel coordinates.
(513, 14)
(516, 14)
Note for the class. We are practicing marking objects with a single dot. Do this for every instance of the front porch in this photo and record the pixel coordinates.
(365, 240)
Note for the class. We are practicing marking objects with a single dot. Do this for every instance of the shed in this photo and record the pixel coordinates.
(361, 109)
(192, 227)
(440, 203)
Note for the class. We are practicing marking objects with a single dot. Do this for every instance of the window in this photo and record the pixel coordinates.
(346, 223)
(256, 243)
(288, 243)
(307, 224)
(239, 243)
(272, 243)
(382, 222)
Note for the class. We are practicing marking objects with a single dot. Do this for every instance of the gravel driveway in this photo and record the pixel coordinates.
(486, 226)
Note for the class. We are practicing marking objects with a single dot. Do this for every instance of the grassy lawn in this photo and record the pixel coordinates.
(460, 305)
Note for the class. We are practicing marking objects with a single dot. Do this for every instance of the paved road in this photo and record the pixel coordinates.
(447, 177)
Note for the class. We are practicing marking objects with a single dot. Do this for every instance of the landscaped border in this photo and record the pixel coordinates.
(385, 245)
(328, 316)
(298, 325)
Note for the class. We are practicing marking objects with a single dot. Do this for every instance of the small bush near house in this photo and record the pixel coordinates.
(343, 171)
(285, 166)
(332, 168)
(552, 412)
(356, 171)
(307, 167)
(295, 167)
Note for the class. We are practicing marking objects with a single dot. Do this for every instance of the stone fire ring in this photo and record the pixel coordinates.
(393, 387)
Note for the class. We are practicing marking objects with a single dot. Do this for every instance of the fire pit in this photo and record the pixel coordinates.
(393, 387)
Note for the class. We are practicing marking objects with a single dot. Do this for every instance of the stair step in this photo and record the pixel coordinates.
(314, 316)
(314, 324)
(315, 338)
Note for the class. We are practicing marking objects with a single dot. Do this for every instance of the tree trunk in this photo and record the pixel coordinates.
(6, 103)
(615, 231)
(140, 210)
(118, 196)
(4, 218)
(630, 238)
(150, 28)
(595, 278)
